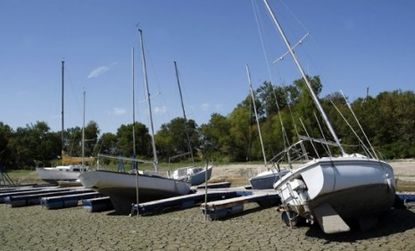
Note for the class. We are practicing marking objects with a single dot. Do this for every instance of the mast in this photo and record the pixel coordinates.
(189, 146)
(143, 58)
(62, 110)
(83, 131)
(135, 164)
(300, 69)
(132, 79)
(256, 114)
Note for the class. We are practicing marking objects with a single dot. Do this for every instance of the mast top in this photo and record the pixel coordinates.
(300, 69)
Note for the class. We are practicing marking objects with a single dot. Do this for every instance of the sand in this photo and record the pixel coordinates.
(36, 228)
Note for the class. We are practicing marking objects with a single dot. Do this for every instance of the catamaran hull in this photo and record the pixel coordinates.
(352, 186)
(121, 187)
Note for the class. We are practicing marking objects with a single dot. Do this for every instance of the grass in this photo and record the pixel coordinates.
(24, 176)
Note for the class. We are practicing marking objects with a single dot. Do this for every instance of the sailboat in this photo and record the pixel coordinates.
(333, 189)
(265, 179)
(124, 189)
(195, 175)
(63, 172)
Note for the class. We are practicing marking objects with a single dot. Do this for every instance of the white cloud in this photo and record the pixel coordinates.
(118, 111)
(101, 70)
(98, 71)
(160, 109)
(205, 106)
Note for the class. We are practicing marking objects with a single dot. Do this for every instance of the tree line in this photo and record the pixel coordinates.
(285, 112)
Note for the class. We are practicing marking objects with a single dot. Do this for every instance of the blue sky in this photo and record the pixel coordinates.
(352, 45)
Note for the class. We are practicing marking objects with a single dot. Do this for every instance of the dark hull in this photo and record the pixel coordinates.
(359, 201)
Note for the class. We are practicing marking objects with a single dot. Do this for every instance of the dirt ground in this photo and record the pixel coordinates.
(36, 228)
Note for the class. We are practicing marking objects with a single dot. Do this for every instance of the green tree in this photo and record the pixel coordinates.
(73, 141)
(268, 96)
(172, 140)
(241, 132)
(216, 135)
(34, 144)
(5, 153)
(107, 144)
(125, 140)
(91, 137)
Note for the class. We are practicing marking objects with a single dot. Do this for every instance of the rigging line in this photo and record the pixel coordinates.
(256, 115)
(294, 16)
(360, 126)
(267, 62)
(284, 132)
(157, 91)
(322, 134)
(351, 128)
(308, 135)
(261, 38)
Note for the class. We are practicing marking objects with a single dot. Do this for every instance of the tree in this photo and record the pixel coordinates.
(5, 153)
(215, 134)
(91, 137)
(269, 95)
(72, 141)
(34, 144)
(107, 144)
(172, 139)
(241, 121)
(125, 140)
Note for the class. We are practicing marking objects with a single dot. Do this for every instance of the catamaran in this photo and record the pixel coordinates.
(333, 189)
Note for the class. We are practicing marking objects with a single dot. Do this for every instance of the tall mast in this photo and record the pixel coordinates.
(133, 83)
(256, 114)
(300, 68)
(143, 58)
(189, 146)
(62, 110)
(83, 131)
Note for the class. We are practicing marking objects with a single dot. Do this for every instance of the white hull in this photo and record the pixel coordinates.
(194, 175)
(353, 185)
(266, 179)
(59, 173)
(121, 187)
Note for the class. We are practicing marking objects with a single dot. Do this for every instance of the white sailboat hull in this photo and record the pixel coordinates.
(194, 175)
(59, 173)
(121, 187)
(266, 179)
(353, 185)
